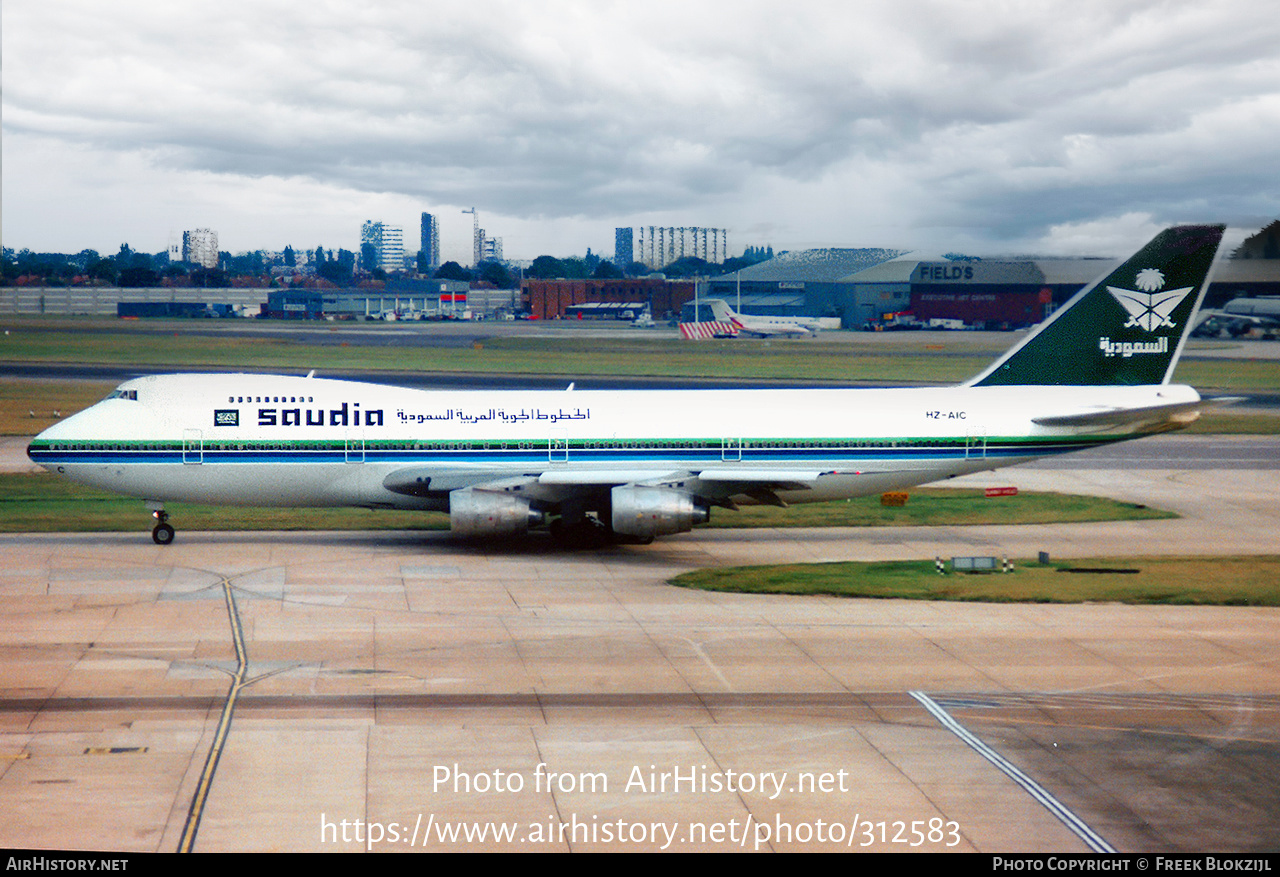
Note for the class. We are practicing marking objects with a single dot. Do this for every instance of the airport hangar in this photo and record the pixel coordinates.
(866, 288)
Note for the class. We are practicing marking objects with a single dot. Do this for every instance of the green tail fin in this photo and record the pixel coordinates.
(1125, 329)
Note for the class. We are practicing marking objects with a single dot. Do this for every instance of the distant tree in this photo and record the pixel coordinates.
(575, 268)
(336, 272)
(347, 260)
(136, 275)
(496, 273)
(750, 256)
(546, 268)
(606, 271)
(246, 263)
(30, 263)
(205, 277)
(689, 266)
(452, 271)
(637, 269)
(1265, 244)
(104, 270)
(290, 259)
(368, 256)
(424, 267)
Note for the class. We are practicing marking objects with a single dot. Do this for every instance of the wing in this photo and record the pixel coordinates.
(575, 491)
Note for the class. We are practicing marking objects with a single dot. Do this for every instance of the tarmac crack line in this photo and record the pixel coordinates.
(238, 683)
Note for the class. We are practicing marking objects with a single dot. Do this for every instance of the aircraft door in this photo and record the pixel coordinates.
(355, 446)
(731, 450)
(975, 445)
(192, 447)
(558, 446)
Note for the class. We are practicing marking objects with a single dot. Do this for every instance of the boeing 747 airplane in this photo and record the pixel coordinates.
(643, 464)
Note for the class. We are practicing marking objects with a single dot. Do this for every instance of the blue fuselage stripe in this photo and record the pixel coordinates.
(586, 455)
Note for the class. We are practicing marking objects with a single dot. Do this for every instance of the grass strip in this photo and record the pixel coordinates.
(941, 506)
(41, 502)
(1216, 581)
(852, 358)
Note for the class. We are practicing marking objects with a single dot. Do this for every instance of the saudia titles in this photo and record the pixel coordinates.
(347, 415)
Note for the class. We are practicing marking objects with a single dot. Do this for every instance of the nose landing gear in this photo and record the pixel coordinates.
(162, 534)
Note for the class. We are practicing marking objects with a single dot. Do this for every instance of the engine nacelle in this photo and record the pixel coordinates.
(648, 512)
(486, 513)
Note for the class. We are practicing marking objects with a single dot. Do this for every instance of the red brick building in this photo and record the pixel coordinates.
(548, 299)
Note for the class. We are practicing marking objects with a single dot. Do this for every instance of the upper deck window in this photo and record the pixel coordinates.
(121, 393)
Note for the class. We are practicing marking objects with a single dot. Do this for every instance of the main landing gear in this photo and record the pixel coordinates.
(163, 533)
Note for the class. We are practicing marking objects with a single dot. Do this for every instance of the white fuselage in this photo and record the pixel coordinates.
(289, 441)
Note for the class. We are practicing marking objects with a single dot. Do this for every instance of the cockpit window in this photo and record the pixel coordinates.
(121, 393)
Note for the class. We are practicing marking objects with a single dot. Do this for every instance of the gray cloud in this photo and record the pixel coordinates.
(1012, 118)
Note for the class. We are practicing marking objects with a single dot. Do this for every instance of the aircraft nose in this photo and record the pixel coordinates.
(76, 427)
(38, 445)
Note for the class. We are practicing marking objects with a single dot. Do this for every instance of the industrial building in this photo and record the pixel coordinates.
(870, 288)
(551, 299)
(424, 300)
(815, 283)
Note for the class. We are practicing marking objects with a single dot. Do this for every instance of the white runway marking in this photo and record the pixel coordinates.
(1052, 804)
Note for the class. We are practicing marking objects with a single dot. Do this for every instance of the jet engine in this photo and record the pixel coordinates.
(648, 512)
(481, 513)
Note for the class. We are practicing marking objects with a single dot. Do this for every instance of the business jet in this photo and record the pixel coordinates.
(640, 464)
(762, 327)
(1241, 316)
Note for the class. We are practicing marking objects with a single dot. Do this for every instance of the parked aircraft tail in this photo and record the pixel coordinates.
(1127, 328)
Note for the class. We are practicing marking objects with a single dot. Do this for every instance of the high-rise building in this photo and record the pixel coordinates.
(623, 247)
(387, 242)
(200, 247)
(490, 248)
(659, 246)
(429, 244)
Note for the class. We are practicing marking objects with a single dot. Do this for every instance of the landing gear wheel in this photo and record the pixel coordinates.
(162, 534)
(583, 533)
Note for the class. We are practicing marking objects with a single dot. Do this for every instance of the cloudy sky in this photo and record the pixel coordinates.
(989, 126)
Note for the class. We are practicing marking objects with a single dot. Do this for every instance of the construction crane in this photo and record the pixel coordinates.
(475, 235)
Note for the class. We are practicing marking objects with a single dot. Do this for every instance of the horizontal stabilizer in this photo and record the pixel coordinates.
(1123, 416)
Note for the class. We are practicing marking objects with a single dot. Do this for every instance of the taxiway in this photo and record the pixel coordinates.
(406, 680)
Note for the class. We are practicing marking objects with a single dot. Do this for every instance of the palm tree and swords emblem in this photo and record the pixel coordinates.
(1150, 308)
